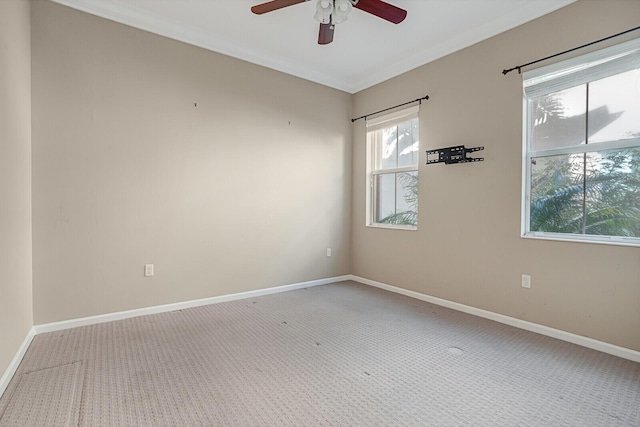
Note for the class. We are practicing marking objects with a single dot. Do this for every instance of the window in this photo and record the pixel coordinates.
(581, 171)
(392, 170)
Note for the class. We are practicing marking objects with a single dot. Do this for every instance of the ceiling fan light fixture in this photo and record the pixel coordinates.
(324, 9)
(341, 10)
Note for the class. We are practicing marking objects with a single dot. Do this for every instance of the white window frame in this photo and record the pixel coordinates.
(374, 125)
(556, 77)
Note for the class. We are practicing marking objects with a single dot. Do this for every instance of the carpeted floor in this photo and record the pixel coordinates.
(343, 354)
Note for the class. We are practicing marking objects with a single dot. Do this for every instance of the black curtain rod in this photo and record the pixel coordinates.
(519, 67)
(391, 108)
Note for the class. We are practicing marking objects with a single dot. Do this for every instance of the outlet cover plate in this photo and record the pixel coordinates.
(148, 270)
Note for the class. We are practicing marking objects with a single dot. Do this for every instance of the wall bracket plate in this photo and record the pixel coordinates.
(451, 155)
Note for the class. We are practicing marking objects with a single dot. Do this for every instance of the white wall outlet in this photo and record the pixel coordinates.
(148, 270)
(328, 252)
(526, 281)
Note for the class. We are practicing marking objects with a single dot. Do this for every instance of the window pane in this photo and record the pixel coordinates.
(614, 107)
(559, 119)
(556, 193)
(408, 144)
(385, 196)
(613, 193)
(397, 198)
(407, 198)
(389, 149)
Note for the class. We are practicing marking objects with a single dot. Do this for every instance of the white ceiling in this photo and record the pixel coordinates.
(366, 50)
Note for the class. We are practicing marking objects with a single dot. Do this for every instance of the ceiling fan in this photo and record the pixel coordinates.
(332, 12)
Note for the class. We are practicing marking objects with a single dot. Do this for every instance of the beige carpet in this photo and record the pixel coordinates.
(336, 355)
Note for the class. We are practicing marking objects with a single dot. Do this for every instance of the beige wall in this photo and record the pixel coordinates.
(16, 316)
(246, 190)
(467, 248)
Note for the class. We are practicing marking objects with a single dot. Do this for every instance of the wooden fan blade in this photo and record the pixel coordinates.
(273, 5)
(382, 10)
(325, 36)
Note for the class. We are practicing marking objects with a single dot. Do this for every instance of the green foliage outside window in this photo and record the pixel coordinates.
(410, 215)
(595, 193)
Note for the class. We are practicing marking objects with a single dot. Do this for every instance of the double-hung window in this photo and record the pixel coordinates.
(392, 170)
(581, 171)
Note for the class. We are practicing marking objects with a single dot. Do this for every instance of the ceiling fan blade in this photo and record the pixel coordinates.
(382, 10)
(274, 5)
(325, 36)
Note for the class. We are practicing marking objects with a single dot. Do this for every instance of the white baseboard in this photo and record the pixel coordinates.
(13, 366)
(604, 347)
(110, 317)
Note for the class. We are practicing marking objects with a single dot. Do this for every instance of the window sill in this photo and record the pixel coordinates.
(577, 238)
(393, 227)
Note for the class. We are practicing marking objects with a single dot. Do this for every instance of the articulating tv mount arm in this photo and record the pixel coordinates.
(451, 155)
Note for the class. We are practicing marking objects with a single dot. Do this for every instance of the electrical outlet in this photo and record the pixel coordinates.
(148, 270)
(526, 281)
(328, 252)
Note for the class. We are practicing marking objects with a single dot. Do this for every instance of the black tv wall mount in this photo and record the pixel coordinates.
(451, 155)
